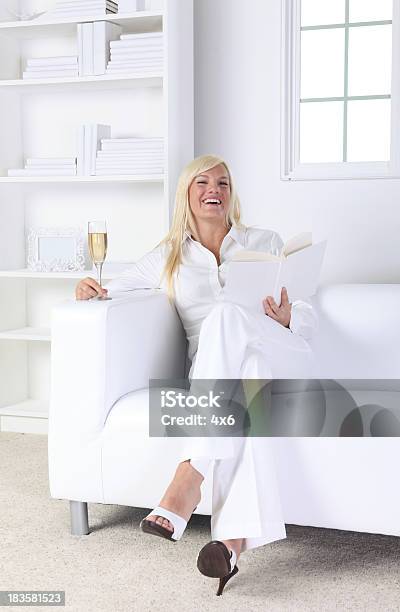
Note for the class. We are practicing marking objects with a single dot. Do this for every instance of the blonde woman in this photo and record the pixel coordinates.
(225, 342)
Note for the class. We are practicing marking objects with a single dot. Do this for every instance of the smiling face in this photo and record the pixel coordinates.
(209, 194)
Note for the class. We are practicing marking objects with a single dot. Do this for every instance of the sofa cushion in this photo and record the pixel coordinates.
(298, 408)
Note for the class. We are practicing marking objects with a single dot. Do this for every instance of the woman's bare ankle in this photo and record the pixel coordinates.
(187, 468)
(183, 493)
(235, 544)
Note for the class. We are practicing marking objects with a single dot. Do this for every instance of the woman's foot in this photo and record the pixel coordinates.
(182, 495)
(218, 559)
(235, 545)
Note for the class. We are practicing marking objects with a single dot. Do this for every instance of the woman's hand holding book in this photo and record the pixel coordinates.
(280, 313)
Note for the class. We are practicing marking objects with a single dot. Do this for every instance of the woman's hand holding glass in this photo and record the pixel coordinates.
(280, 313)
(88, 288)
(98, 241)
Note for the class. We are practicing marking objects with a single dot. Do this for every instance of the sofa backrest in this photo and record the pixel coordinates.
(359, 331)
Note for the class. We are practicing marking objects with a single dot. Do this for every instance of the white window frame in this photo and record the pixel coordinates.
(291, 168)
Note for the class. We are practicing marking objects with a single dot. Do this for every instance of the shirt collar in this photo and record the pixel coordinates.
(236, 233)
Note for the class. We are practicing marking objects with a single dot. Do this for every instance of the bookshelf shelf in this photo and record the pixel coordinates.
(103, 82)
(142, 21)
(27, 408)
(31, 274)
(155, 178)
(40, 334)
(27, 416)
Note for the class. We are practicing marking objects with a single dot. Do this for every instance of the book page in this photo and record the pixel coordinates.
(300, 272)
(249, 282)
(301, 241)
(246, 255)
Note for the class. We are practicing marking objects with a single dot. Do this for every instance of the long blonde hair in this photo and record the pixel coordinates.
(183, 219)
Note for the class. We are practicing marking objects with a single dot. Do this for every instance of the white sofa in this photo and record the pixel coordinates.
(332, 472)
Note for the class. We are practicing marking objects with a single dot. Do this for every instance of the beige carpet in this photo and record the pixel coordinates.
(118, 569)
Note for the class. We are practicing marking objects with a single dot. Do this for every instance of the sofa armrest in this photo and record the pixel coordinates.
(102, 350)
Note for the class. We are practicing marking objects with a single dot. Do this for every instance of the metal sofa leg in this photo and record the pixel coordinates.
(79, 518)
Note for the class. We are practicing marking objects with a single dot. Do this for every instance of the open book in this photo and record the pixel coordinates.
(253, 275)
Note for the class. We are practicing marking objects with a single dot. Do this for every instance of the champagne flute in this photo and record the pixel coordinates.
(97, 238)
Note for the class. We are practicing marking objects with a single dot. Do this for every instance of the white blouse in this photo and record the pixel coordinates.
(199, 282)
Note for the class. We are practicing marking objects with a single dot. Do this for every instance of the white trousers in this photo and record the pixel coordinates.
(235, 343)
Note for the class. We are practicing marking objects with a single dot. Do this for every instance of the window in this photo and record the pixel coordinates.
(340, 110)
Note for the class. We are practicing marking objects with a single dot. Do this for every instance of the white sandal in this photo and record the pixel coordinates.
(178, 523)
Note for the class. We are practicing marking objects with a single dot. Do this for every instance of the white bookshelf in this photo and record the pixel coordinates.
(40, 119)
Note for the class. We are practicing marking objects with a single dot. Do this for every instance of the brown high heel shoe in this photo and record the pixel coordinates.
(216, 561)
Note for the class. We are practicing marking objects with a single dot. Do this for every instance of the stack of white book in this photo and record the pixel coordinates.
(46, 166)
(94, 46)
(82, 8)
(89, 137)
(136, 53)
(130, 156)
(51, 67)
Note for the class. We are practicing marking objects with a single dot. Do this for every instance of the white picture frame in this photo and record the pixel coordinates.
(55, 249)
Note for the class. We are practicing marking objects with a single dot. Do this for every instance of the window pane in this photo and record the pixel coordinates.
(318, 12)
(321, 132)
(370, 60)
(370, 10)
(368, 129)
(322, 63)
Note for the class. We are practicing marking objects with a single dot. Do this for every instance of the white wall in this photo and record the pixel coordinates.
(237, 115)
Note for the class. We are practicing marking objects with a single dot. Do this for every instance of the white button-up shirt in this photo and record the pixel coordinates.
(200, 280)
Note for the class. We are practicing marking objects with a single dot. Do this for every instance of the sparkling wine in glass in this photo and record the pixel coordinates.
(97, 238)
